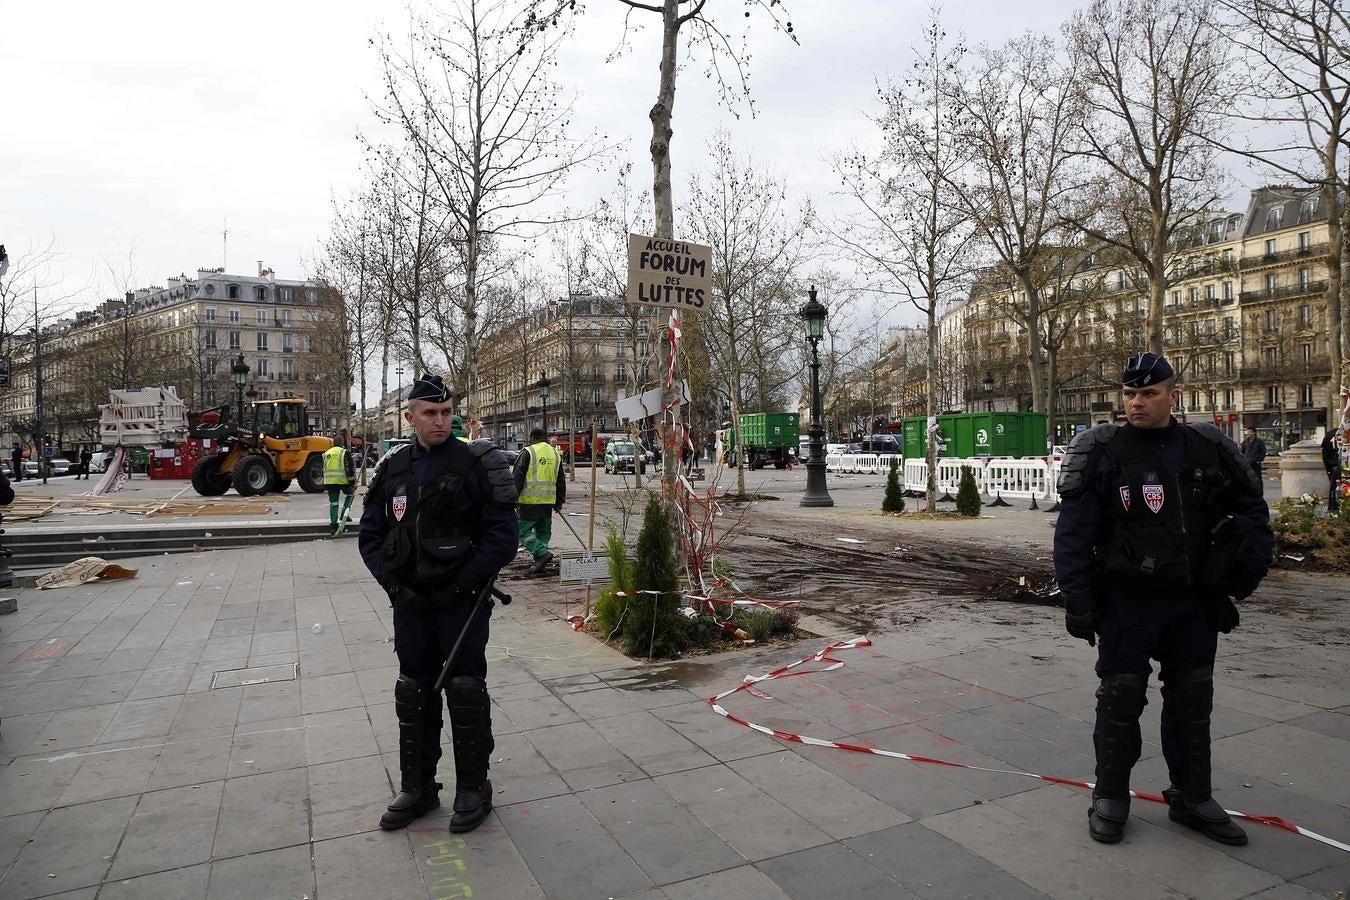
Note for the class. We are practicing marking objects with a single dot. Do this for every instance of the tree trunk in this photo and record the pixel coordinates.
(1051, 395)
(661, 115)
(1035, 356)
(1157, 283)
(663, 199)
(1338, 302)
(931, 492)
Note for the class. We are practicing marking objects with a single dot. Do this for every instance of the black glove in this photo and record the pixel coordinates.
(1082, 626)
(1223, 614)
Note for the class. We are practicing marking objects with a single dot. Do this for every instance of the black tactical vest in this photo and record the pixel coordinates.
(427, 541)
(1162, 535)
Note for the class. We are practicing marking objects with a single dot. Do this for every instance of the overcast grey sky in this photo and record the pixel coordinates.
(142, 128)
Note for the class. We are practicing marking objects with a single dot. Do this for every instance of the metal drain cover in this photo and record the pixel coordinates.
(257, 675)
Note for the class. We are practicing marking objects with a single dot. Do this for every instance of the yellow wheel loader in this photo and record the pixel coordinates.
(261, 455)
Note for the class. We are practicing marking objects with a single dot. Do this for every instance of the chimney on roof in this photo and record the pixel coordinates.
(261, 268)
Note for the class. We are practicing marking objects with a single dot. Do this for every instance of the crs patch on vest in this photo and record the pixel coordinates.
(399, 503)
(1154, 496)
(1125, 498)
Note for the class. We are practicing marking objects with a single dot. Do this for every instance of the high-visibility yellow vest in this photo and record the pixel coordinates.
(541, 478)
(335, 465)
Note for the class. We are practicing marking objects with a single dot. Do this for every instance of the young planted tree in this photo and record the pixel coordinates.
(894, 499)
(1158, 92)
(905, 228)
(968, 494)
(654, 626)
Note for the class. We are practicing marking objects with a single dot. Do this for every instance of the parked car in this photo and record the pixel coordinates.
(56, 466)
(99, 461)
(6, 468)
(622, 456)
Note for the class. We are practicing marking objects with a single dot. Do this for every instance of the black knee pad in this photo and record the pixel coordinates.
(1194, 689)
(1123, 695)
(467, 690)
(409, 696)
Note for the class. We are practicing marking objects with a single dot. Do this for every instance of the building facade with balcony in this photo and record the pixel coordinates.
(1245, 324)
(592, 351)
(187, 333)
(1286, 373)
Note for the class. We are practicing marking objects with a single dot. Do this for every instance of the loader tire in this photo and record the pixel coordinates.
(207, 479)
(310, 475)
(253, 475)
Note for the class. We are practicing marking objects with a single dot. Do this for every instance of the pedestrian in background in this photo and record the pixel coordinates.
(542, 489)
(439, 523)
(1331, 461)
(16, 461)
(86, 457)
(1161, 525)
(1254, 451)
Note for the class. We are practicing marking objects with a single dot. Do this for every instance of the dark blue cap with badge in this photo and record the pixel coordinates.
(430, 387)
(1144, 369)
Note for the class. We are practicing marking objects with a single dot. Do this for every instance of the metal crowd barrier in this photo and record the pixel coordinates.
(1032, 478)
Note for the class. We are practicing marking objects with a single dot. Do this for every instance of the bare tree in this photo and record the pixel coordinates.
(742, 212)
(473, 92)
(1158, 89)
(1298, 54)
(1020, 107)
(906, 229)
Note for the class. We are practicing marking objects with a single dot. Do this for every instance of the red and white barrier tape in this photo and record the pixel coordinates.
(823, 656)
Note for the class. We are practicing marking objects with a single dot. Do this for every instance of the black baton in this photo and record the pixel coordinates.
(483, 599)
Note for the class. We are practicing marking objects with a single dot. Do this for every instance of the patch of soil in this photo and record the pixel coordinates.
(734, 498)
(880, 585)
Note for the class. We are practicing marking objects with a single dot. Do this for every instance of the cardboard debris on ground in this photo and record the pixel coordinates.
(25, 508)
(83, 571)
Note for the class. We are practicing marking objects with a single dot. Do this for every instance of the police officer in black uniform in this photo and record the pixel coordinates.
(1161, 526)
(439, 523)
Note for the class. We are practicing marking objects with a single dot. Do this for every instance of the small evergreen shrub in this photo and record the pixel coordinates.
(609, 608)
(968, 494)
(894, 499)
(654, 626)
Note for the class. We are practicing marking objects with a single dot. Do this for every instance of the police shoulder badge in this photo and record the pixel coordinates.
(400, 504)
(1154, 496)
(1125, 497)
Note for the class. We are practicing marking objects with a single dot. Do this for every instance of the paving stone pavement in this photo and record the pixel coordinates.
(126, 773)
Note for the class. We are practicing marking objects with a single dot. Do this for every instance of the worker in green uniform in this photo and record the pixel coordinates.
(338, 475)
(542, 489)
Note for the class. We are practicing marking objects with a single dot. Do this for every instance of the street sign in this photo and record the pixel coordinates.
(647, 404)
(675, 274)
(583, 569)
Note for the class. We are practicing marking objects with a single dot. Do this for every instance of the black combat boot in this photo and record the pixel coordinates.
(419, 793)
(471, 728)
(1120, 701)
(1190, 800)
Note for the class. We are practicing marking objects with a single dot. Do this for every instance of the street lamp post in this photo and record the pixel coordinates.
(543, 397)
(817, 494)
(988, 385)
(239, 369)
(398, 403)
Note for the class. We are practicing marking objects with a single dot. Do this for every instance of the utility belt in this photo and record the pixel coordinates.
(425, 573)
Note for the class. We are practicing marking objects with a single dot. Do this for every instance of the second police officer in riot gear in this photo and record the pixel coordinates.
(1162, 525)
(439, 523)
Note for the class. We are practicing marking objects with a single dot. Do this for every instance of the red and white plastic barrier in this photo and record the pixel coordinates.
(824, 656)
